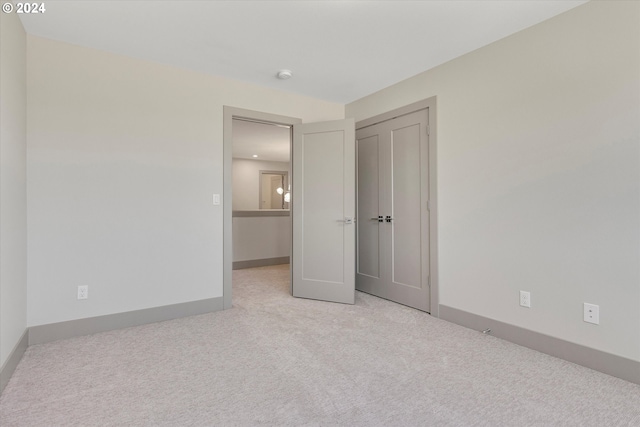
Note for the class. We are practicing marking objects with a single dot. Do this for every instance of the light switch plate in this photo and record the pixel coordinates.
(216, 199)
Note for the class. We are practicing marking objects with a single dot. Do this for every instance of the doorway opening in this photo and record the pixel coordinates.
(257, 173)
(261, 193)
(323, 213)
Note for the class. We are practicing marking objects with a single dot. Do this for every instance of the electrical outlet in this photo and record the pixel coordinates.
(83, 292)
(591, 313)
(525, 299)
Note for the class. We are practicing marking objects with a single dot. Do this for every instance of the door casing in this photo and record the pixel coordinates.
(229, 113)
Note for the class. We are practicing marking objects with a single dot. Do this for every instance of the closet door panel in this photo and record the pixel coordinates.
(368, 207)
(405, 211)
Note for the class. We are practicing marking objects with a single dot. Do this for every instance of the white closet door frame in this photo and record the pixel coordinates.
(429, 104)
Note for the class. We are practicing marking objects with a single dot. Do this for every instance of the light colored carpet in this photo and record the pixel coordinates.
(277, 360)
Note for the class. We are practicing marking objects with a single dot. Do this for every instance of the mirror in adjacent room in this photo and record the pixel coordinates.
(274, 190)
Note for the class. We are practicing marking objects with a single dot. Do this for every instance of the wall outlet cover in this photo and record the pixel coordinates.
(525, 299)
(83, 292)
(592, 313)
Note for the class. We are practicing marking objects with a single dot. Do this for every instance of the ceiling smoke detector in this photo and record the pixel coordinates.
(284, 74)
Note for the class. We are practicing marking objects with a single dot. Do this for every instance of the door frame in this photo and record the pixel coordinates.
(430, 105)
(229, 113)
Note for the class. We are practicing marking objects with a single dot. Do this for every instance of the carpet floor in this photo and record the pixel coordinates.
(277, 360)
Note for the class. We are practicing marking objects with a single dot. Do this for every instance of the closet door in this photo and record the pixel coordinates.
(369, 263)
(393, 175)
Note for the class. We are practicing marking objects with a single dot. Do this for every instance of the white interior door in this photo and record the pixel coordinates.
(408, 241)
(323, 211)
(393, 211)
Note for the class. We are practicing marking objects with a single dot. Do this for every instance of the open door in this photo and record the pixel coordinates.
(323, 211)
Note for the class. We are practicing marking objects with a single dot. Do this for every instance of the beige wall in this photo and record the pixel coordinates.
(13, 146)
(257, 237)
(261, 237)
(246, 181)
(539, 173)
(123, 158)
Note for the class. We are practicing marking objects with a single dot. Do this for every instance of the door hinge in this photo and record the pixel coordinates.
(428, 130)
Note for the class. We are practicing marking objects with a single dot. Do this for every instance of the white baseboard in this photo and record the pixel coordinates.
(14, 358)
(238, 265)
(597, 360)
(74, 328)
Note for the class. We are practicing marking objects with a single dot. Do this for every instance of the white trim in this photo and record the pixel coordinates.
(14, 358)
(598, 360)
(229, 113)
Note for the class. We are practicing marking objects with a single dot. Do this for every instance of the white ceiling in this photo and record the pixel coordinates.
(339, 51)
(268, 142)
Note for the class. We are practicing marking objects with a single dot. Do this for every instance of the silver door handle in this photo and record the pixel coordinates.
(379, 219)
(347, 220)
(388, 218)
